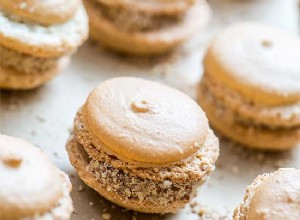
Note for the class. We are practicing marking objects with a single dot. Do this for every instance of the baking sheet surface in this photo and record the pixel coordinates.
(45, 116)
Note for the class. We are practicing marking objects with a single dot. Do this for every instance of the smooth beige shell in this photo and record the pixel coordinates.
(145, 121)
(30, 184)
(277, 198)
(258, 61)
(45, 12)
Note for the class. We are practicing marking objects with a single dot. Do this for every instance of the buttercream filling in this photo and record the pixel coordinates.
(25, 63)
(131, 20)
(284, 117)
(139, 189)
(223, 111)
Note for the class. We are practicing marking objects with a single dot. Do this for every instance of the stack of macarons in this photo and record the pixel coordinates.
(272, 196)
(145, 27)
(251, 86)
(31, 187)
(37, 39)
(141, 149)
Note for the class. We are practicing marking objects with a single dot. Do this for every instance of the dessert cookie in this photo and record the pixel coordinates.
(251, 89)
(273, 196)
(142, 145)
(37, 39)
(145, 27)
(31, 187)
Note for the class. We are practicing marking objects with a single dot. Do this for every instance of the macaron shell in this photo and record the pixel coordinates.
(258, 61)
(37, 40)
(80, 160)
(46, 12)
(240, 212)
(14, 80)
(145, 121)
(277, 198)
(150, 43)
(30, 184)
(253, 137)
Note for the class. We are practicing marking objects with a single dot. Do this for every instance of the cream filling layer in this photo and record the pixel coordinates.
(139, 189)
(25, 63)
(245, 112)
(131, 20)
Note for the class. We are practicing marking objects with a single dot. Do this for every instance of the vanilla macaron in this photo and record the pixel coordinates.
(274, 196)
(250, 90)
(31, 187)
(37, 39)
(145, 27)
(142, 145)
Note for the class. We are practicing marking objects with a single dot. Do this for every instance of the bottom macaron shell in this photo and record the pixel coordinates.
(253, 137)
(80, 161)
(150, 43)
(12, 79)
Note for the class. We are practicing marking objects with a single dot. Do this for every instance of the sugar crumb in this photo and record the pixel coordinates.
(106, 216)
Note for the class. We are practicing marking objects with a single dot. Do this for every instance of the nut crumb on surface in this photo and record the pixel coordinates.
(80, 188)
(40, 118)
(234, 169)
(266, 43)
(106, 216)
(205, 213)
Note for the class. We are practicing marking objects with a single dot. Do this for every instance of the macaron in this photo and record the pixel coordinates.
(142, 145)
(273, 196)
(37, 39)
(31, 187)
(251, 86)
(145, 27)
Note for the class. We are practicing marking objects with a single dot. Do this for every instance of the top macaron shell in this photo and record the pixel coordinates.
(144, 121)
(277, 198)
(44, 41)
(30, 184)
(259, 61)
(46, 12)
